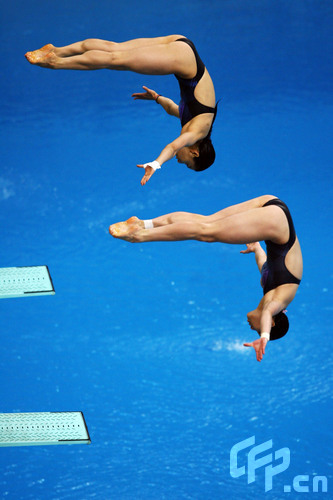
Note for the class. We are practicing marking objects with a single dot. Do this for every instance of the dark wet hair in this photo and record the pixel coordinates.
(206, 155)
(281, 326)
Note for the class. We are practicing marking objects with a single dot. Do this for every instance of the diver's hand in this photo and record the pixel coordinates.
(150, 168)
(149, 171)
(259, 346)
(251, 247)
(149, 95)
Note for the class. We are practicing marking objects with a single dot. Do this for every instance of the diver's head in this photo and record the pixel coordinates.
(280, 327)
(206, 155)
(199, 156)
(280, 323)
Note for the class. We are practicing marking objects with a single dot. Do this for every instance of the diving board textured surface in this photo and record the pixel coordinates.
(25, 281)
(43, 428)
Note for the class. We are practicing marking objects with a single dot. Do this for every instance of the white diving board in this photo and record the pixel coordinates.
(25, 282)
(43, 428)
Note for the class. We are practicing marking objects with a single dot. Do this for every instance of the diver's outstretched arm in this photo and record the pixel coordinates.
(167, 153)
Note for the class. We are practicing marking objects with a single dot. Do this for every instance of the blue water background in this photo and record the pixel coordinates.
(146, 340)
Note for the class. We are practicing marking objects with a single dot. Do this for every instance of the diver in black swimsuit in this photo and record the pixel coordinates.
(172, 54)
(273, 269)
(263, 218)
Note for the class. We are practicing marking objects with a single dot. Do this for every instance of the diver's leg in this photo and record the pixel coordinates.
(138, 43)
(156, 59)
(109, 46)
(257, 224)
(221, 214)
(82, 46)
(174, 217)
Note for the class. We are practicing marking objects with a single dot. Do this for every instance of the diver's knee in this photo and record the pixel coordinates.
(97, 44)
(176, 217)
(88, 44)
(205, 233)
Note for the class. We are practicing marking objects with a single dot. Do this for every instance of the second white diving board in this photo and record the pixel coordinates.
(25, 281)
(43, 428)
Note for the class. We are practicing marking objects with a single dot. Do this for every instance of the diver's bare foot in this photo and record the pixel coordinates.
(126, 230)
(42, 57)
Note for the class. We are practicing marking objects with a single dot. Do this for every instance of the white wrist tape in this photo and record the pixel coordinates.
(265, 335)
(148, 224)
(153, 164)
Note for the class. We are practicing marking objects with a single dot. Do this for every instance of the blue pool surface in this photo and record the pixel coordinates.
(147, 339)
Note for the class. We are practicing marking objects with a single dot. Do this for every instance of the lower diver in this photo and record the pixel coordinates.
(265, 218)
